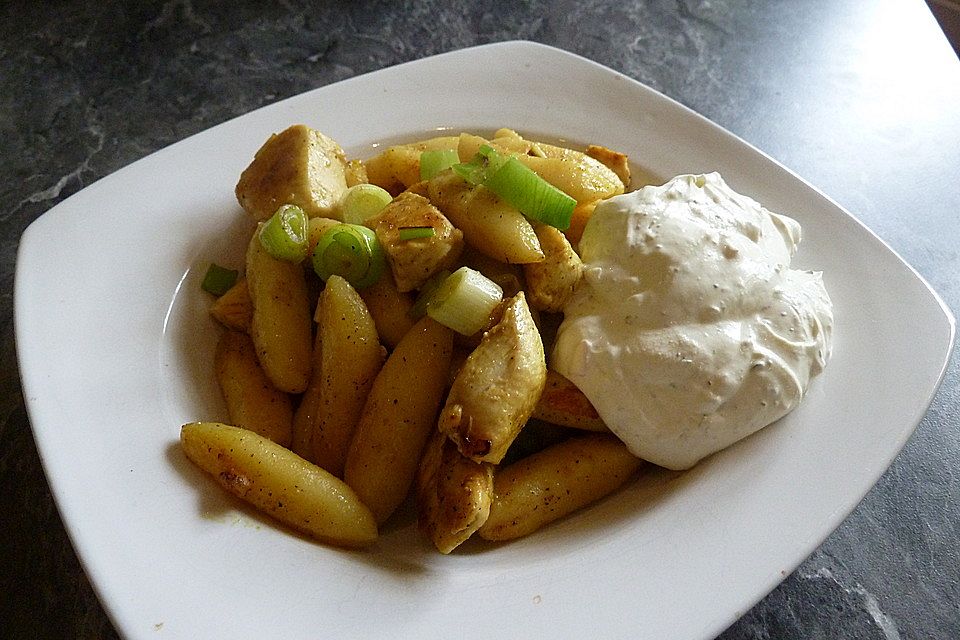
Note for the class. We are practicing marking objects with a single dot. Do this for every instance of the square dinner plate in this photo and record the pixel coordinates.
(115, 349)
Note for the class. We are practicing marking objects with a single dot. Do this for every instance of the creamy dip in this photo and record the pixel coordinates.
(689, 330)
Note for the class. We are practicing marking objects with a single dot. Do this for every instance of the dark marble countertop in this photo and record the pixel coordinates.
(859, 97)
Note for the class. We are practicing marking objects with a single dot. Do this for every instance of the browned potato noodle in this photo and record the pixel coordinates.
(389, 308)
(234, 309)
(252, 401)
(562, 403)
(305, 417)
(548, 485)
(573, 172)
(398, 167)
(280, 322)
(488, 224)
(351, 357)
(397, 420)
(279, 483)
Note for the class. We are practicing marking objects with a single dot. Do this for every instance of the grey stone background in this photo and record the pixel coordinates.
(87, 87)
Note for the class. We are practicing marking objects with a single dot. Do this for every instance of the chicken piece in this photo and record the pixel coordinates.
(551, 283)
(298, 166)
(498, 386)
(617, 162)
(414, 261)
(454, 494)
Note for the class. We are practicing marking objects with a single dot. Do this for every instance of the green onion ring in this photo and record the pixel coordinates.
(433, 162)
(352, 252)
(519, 186)
(363, 201)
(284, 235)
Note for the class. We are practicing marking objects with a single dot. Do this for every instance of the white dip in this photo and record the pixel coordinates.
(689, 331)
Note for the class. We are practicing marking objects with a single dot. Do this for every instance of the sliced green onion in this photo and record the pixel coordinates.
(464, 301)
(519, 186)
(536, 198)
(351, 251)
(433, 162)
(284, 235)
(484, 164)
(219, 279)
(363, 201)
(412, 233)
(419, 308)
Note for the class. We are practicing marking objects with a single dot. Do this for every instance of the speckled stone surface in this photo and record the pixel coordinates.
(859, 97)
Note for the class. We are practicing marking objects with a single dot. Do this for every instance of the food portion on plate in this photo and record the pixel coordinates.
(498, 326)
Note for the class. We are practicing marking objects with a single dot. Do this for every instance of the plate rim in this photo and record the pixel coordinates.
(30, 243)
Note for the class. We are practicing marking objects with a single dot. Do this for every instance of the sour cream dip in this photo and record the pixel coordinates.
(689, 329)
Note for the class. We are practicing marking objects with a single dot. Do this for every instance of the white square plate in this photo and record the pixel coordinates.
(115, 351)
